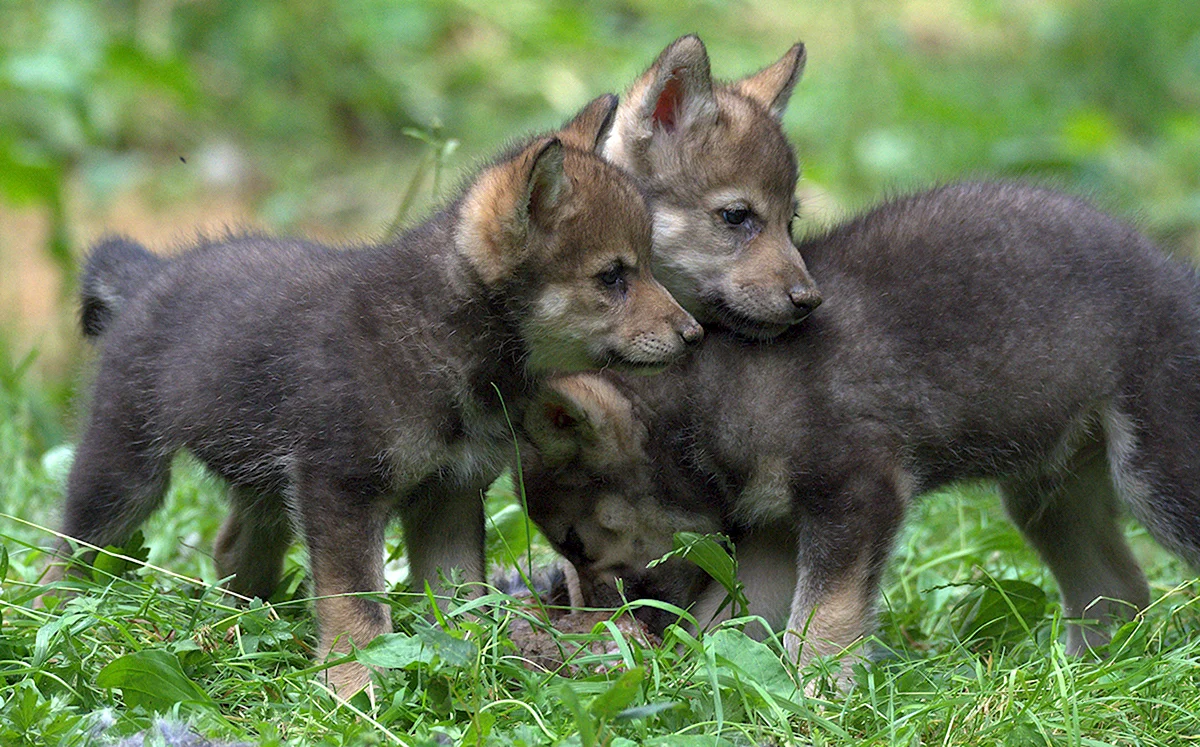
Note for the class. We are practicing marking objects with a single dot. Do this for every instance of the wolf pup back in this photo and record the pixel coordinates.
(992, 331)
(336, 388)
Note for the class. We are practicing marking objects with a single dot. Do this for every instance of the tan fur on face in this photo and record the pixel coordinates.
(574, 414)
(725, 149)
(574, 325)
(625, 535)
(575, 322)
(552, 220)
(588, 435)
(496, 210)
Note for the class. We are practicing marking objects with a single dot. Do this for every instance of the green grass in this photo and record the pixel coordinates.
(325, 100)
(139, 641)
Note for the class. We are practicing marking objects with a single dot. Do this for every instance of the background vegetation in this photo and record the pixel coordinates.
(338, 118)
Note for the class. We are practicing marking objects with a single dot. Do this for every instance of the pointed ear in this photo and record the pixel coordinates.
(557, 422)
(504, 202)
(547, 186)
(676, 93)
(588, 129)
(581, 415)
(772, 86)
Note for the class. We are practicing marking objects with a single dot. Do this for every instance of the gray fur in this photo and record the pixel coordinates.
(334, 388)
(704, 152)
(115, 270)
(973, 331)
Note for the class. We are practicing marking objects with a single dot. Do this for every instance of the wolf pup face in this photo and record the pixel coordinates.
(592, 491)
(334, 389)
(720, 177)
(570, 236)
(1074, 389)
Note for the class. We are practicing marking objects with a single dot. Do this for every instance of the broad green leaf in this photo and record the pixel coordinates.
(453, 652)
(108, 565)
(1003, 610)
(709, 552)
(430, 646)
(395, 651)
(752, 660)
(1129, 640)
(153, 679)
(481, 726)
(619, 695)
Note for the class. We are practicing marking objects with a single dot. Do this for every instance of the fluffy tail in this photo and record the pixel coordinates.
(116, 269)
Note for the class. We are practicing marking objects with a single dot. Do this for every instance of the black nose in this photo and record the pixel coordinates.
(805, 298)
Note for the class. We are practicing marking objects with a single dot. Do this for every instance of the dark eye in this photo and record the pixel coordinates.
(735, 216)
(613, 278)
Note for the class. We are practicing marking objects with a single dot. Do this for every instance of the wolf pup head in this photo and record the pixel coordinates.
(593, 492)
(720, 178)
(565, 238)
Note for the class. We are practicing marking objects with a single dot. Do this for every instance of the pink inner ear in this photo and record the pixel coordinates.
(666, 110)
(558, 416)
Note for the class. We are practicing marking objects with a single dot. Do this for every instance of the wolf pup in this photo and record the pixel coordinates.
(720, 179)
(974, 331)
(335, 388)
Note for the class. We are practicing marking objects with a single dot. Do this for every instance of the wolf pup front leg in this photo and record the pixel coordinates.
(602, 451)
(974, 331)
(335, 388)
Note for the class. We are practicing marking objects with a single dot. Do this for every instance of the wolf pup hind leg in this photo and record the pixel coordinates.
(336, 388)
(974, 331)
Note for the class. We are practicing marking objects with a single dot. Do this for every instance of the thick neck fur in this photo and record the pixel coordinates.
(967, 332)
(467, 329)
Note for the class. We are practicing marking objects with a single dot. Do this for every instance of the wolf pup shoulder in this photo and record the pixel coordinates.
(720, 178)
(991, 331)
(333, 388)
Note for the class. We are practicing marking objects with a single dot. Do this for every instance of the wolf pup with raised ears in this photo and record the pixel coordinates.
(993, 331)
(335, 388)
(720, 179)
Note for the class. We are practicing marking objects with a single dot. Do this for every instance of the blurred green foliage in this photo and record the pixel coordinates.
(1102, 97)
(342, 113)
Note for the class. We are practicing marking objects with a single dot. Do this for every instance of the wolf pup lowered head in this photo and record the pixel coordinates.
(720, 179)
(974, 331)
(335, 388)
